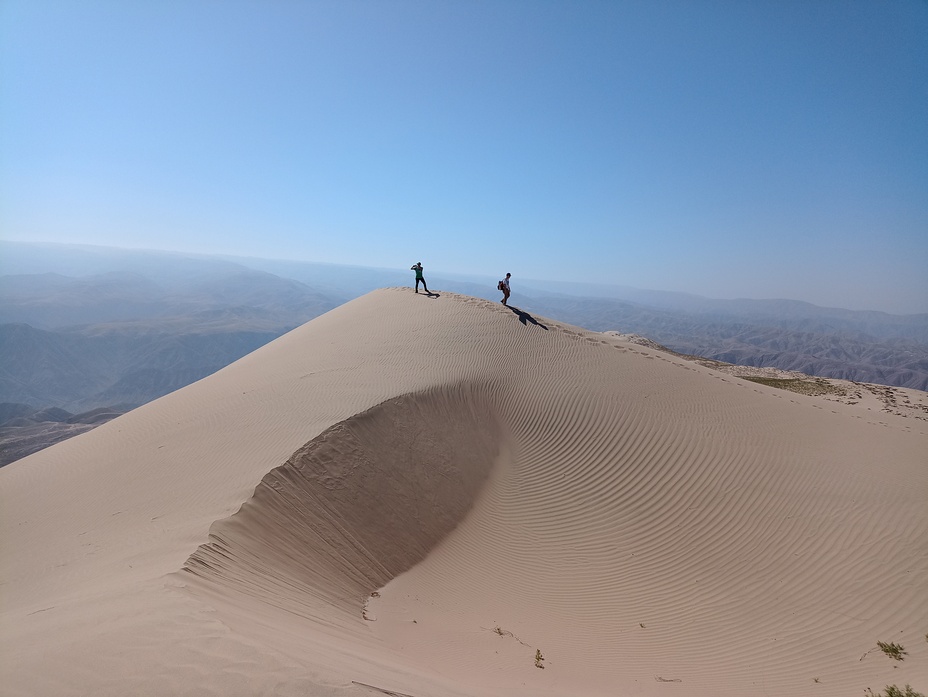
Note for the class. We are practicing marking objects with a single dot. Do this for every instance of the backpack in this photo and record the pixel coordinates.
(500, 286)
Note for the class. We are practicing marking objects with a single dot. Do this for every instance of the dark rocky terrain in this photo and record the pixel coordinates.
(24, 430)
(865, 347)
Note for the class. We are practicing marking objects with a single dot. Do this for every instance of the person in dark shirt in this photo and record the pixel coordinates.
(417, 267)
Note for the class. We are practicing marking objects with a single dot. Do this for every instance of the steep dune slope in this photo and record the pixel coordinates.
(444, 496)
(352, 509)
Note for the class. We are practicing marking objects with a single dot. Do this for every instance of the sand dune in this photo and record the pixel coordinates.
(436, 496)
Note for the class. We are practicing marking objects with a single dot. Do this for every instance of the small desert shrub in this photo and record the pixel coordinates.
(893, 650)
(894, 691)
(812, 386)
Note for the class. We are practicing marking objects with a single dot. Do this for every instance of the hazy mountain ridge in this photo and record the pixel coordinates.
(835, 348)
(50, 301)
(139, 324)
(87, 368)
(24, 430)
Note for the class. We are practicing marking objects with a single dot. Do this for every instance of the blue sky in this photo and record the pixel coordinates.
(724, 148)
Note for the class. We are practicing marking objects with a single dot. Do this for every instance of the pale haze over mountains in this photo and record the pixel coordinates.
(93, 331)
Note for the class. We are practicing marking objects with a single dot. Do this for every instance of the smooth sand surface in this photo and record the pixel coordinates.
(433, 496)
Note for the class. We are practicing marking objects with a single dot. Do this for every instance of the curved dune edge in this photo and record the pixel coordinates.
(356, 506)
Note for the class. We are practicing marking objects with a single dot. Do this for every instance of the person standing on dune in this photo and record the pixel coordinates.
(417, 267)
(504, 286)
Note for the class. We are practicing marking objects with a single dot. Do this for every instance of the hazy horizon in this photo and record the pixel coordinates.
(529, 286)
(726, 150)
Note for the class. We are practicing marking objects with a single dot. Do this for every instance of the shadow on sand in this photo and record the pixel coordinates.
(429, 294)
(525, 318)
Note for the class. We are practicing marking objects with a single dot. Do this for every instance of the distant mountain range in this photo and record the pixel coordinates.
(84, 328)
(860, 346)
(100, 365)
(144, 326)
(24, 430)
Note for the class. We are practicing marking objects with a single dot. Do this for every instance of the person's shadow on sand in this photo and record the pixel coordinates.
(525, 317)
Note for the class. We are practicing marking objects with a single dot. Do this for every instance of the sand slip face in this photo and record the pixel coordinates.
(510, 488)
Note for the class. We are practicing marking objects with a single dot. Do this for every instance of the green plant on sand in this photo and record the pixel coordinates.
(811, 386)
(893, 650)
(894, 691)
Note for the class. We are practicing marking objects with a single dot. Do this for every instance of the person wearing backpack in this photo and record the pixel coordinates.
(504, 286)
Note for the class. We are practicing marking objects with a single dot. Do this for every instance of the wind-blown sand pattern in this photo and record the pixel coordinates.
(435, 496)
